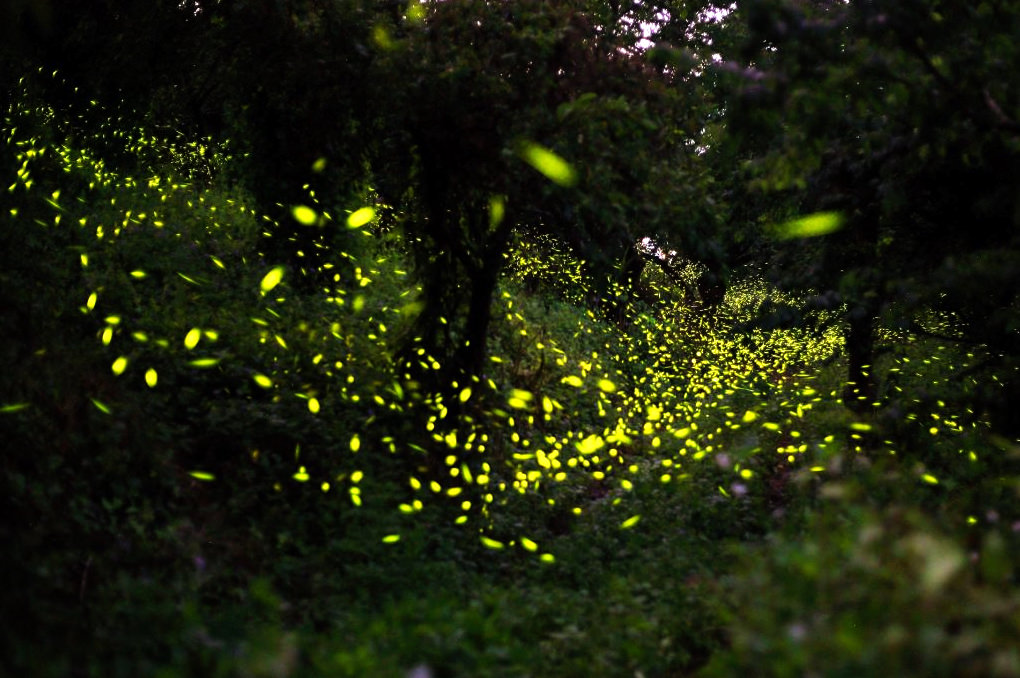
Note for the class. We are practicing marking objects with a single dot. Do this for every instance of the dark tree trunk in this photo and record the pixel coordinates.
(861, 390)
(712, 285)
(471, 353)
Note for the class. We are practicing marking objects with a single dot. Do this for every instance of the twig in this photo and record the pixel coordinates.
(84, 580)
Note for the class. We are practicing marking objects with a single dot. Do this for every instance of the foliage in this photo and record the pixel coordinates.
(888, 113)
(217, 461)
(868, 593)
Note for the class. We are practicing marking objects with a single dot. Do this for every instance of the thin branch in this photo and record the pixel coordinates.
(1004, 120)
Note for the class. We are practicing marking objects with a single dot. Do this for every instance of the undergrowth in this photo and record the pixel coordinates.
(214, 468)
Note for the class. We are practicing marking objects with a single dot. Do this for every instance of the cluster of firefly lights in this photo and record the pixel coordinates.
(650, 401)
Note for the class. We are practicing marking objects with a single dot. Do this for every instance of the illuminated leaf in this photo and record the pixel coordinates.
(304, 215)
(202, 475)
(319, 165)
(555, 168)
(13, 407)
(812, 225)
(102, 407)
(572, 380)
(360, 217)
(151, 377)
(271, 279)
(607, 385)
(749, 416)
(302, 475)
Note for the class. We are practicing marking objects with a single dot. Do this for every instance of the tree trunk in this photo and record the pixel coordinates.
(471, 353)
(860, 391)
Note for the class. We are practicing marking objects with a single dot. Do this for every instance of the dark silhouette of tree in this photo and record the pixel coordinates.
(902, 118)
(472, 89)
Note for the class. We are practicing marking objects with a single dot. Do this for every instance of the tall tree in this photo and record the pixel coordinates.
(481, 95)
(902, 118)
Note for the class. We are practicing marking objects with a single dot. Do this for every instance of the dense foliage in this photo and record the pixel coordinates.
(528, 338)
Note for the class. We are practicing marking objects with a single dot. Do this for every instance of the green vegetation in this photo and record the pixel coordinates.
(550, 354)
